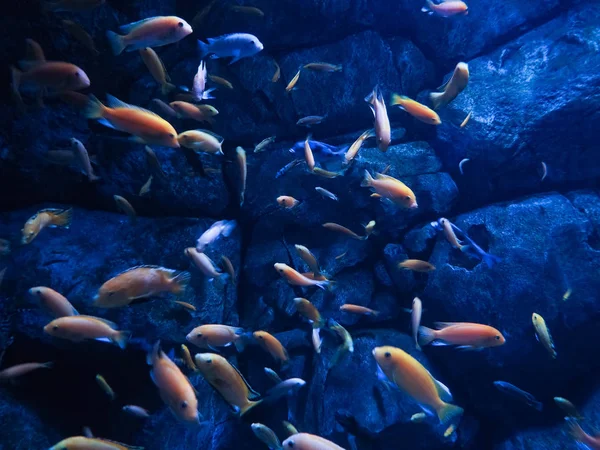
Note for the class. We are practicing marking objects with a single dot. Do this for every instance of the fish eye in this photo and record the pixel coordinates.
(407, 198)
(497, 337)
(260, 336)
(31, 233)
(184, 405)
(388, 354)
(180, 24)
(199, 335)
(110, 294)
(55, 327)
(171, 135)
(281, 270)
(291, 444)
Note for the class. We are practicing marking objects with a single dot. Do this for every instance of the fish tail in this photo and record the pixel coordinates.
(368, 180)
(396, 99)
(426, 335)
(538, 406)
(122, 338)
(167, 87)
(449, 413)
(62, 219)
(371, 97)
(117, 44)
(180, 282)
(436, 99)
(48, 365)
(203, 47)
(248, 407)
(94, 109)
(428, 7)
(241, 343)
(575, 429)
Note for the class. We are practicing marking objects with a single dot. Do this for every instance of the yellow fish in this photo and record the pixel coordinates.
(86, 443)
(454, 86)
(543, 335)
(50, 218)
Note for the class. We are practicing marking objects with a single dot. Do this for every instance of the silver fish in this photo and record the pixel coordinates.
(222, 227)
(325, 193)
(236, 46)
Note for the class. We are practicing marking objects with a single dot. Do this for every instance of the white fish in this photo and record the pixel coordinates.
(84, 160)
(325, 193)
(222, 227)
(199, 86)
(461, 164)
(236, 46)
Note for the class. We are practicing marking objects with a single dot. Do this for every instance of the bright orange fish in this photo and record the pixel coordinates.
(394, 190)
(416, 109)
(468, 336)
(271, 344)
(45, 218)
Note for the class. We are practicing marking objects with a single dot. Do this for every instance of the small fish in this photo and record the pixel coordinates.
(418, 417)
(154, 162)
(199, 91)
(316, 340)
(236, 46)
(416, 265)
(145, 189)
(199, 113)
(567, 294)
(466, 121)
(308, 155)
(202, 262)
(394, 190)
(272, 375)
(286, 387)
(80, 328)
(587, 441)
(386, 169)
(341, 256)
(309, 311)
(446, 9)
(468, 336)
(305, 441)
(325, 193)
(293, 81)
(81, 35)
(287, 202)
(175, 389)
(164, 108)
(310, 120)
(519, 394)
(136, 411)
(151, 32)
(323, 67)
(415, 319)
(297, 279)
(454, 86)
(357, 309)
(240, 156)
(186, 305)
(157, 69)
(202, 141)
(22, 369)
(52, 301)
(105, 387)
(81, 153)
(262, 146)
(85, 443)
(309, 259)
(211, 336)
(187, 357)
(325, 173)
(220, 228)
(272, 345)
(356, 145)
(416, 109)
(542, 334)
(220, 81)
(266, 435)
(291, 429)
(461, 164)
(341, 229)
(370, 228)
(125, 207)
(277, 73)
(383, 130)
(139, 283)
(51, 218)
(451, 429)
(227, 267)
(544, 171)
(285, 169)
(347, 342)
(568, 407)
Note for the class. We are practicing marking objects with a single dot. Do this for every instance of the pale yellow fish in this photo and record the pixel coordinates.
(308, 155)
(383, 129)
(125, 207)
(293, 82)
(464, 122)
(291, 429)
(418, 417)
(341, 229)
(220, 81)
(567, 294)
(277, 73)
(241, 160)
(325, 173)
(145, 189)
(309, 259)
(542, 333)
(355, 147)
(157, 69)
(455, 85)
(105, 387)
(262, 145)
(186, 305)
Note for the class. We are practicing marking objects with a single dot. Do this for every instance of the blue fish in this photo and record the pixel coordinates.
(320, 148)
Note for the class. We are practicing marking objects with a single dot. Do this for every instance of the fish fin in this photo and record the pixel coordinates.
(204, 48)
(368, 180)
(180, 282)
(94, 108)
(376, 195)
(105, 321)
(114, 102)
(252, 394)
(206, 95)
(228, 229)
(167, 87)
(442, 325)
(436, 99)
(61, 218)
(236, 58)
(467, 348)
(442, 390)
(248, 407)
(397, 100)
(153, 353)
(240, 343)
(426, 335)
(116, 41)
(370, 98)
(491, 260)
(128, 28)
(449, 413)
(122, 338)
(213, 134)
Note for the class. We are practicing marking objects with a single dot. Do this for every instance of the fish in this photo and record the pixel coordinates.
(236, 46)
(151, 32)
(580, 436)
(174, 388)
(467, 336)
(309, 259)
(262, 145)
(297, 279)
(449, 233)
(544, 171)
(316, 340)
(285, 169)
(382, 126)
(306, 441)
(287, 202)
(202, 262)
(451, 429)
(187, 358)
(51, 218)
(212, 336)
(81, 35)
(266, 436)
(240, 156)
(277, 73)
(220, 228)
(80, 328)
(164, 108)
(199, 113)
(418, 417)
(466, 121)
(519, 394)
(186, 305)
(567, 295)
(415, 320)
(370, 228)
(291, 429)
(347, 342)
(446, 9)
(105, 387)
(356, 145)
(81, 153)
(272, 345)
(416, 109)
(341, 229)
(309, 311)
(325, 193)
(136, 411)
(568, 407)
(199, 90)
(145, 189)
(542, 334)
(157, 69)
(227, 267)
(310, 120)
(227, 381)
(220, 81)
(87, 443)
(454, 86)
(154, 162)
(293, 81)
(55, 303)
(416, 265)
(358, 309)
(272, 375)
(398, 368)
(145, 126)
(323, 67)
(201, 141)
(4, 247)
(394, 190)
(250, 10)
(125, 207)
(461, 165)
(285, 387)
(308, 155)
(140, 282)
(19, 370)
(325, 173)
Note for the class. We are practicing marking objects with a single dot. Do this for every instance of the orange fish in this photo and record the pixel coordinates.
(54, 302)
(416, 265)
(50, 218)
(449, 233)
(138, 283)
(287, 202)
(227, 267)
(211, 336)
(157, 69)
(383, 130)
(90, 443)
(446, 9)
(577, 433)
(200, 113)
(297, 279)
(80, 328)
(454, 86)
(389, 188)
(305, 441)
(309, 311)
(416, 109)
(271, 344)
(22, 369)
(341, 229)
(357, 309)
(468, 336)
(151, 32)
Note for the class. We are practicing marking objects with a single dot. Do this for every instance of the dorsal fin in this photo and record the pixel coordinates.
(442, 325)
(252, 394)
(164, 269)
(215, 135)
(35, 51)
(381, 176)
(132, 26)
(120, 444)
(114, 102)
(100, 319)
